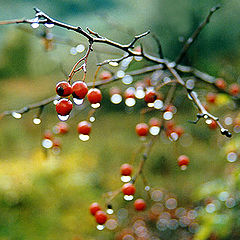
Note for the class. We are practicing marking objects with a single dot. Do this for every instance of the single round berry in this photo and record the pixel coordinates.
(234, 89)
(126, 169)
(64, 89)
(150, 96)
(212, 125)
(64, 107)
(84, 128)
(183, 160)
(94, 207)
(220, 83)
(211, 97)
(170, 125)
(101, 217)
(128, 189)
(142, 129)
(62, 128)
(105, 75)
(80, 89)
(94, 96)
(140, 204)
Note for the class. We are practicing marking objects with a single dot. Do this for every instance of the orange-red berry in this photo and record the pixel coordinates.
(94, 207)
(101, 217)
(126, 169)
(64, 107)
(234, 89)
(105, 75)
(84, 128)
(150, 96)
(63, 89)
(142, 129)
(80, 89)
(62, 128)
(128, 189)
(154, 122)
(183, 160)
(140, 204)
(212, 125)
(211, 97)
(94, 95)
(220, 83)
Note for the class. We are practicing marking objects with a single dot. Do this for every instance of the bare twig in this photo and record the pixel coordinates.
(194, 36)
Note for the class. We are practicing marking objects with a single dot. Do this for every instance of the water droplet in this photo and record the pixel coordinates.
(73, 51)
(208, 121)
(228, 120)
(55, 102)
(171, 203)
(78, 101)
(190, 84)
(128, 79)
(150, 105)
(154, 130)
(83, 137)
(128, 197)
(147, 188)
(63, 118)
(138, 59)
(111, 224)
(126, 178)
(230, 203)
(183, 167)
(92, 119)
(232, 157)
(130, 102)
(36, 121)
(168, 115)
(95, 105)
(113, 64)
(158, 104)
(100, 227)
(16, 115)
(35, 23)
(49, 25)
(157, 195)
(80, 48)
(109, 211)
(210, 208)
(174, 136)
(116, 98)
(120, 74)
(47, 143)
(223, 196)
(139, 94)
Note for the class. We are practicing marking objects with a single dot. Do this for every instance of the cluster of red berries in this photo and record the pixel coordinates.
(78, 90)
(233, 89)
(100, 216)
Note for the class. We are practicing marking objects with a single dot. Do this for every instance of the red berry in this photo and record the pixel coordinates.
(211, 97)
(105, 75)
(84, 128)
(62, 128)
(128, 189)
(80, 89)
(114, 90)
(183, 160)
(101, 217)
(169, 108)
(94, 96)
(234, 89)
(212, 125)
(140, 204)
(220, 83)
(64, 107)
(150, 96)
(142, 129)
(126, 169)
(64, 89)
(170, 125)
(154, 122)
(94, 207)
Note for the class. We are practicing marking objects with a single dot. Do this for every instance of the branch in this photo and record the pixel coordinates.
(160, 51)
(194, 36)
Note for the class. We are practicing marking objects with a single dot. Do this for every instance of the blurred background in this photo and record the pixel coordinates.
(46, 196)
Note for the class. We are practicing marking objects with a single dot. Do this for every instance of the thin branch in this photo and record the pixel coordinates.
(194, 36)
(160, 51)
